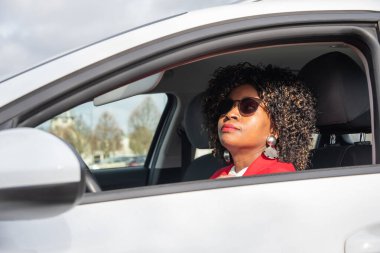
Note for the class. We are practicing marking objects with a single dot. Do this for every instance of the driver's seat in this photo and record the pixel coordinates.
(202, 167)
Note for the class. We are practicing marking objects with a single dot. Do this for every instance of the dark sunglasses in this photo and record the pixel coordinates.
(247, 106)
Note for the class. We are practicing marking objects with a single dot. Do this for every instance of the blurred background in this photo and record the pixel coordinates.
(34, 31)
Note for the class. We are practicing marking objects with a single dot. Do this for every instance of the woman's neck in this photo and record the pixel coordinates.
(243, 159)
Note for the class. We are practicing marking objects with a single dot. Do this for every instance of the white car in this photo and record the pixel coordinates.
(169, 204)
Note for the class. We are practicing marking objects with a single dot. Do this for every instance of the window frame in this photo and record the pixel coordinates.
(365, 55)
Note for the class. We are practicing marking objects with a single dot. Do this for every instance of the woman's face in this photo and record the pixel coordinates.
(237, 132)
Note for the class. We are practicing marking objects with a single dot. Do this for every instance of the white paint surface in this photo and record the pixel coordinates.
(31, 157)
(310, 216)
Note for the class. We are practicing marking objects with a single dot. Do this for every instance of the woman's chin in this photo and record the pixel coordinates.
(228, 143)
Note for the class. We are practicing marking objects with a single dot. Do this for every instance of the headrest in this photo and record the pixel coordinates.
(193, 123)
(340, 86)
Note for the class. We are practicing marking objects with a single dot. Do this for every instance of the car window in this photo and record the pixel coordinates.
(358, 138)
(109, 136)
(114, 135)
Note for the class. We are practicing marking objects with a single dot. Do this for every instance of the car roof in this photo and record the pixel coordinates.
(28, 81)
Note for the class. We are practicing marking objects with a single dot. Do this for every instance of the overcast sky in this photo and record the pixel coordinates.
(32, 31)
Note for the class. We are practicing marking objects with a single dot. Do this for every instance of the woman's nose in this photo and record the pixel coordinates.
(233, 113)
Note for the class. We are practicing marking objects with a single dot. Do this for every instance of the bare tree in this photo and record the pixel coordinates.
(84, 133)
(142, 124)
(75, 131)
(108, 136)
(140, 139)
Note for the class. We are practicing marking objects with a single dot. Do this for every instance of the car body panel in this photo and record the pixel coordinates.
(63, 168)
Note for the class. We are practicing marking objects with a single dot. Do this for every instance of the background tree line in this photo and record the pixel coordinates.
(107, 136)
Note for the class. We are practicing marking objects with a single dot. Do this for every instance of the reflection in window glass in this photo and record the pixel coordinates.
(314, 141)
(201, 152)
(114, 135)
(357, 138)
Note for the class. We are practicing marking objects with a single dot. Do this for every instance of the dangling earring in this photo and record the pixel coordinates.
(271, 151)
(226, 156)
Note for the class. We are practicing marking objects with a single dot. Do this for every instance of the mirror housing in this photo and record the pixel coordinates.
(40, 175)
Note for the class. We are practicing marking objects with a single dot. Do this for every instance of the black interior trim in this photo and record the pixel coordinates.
(158, 138)
(169, 175)
(121, 178)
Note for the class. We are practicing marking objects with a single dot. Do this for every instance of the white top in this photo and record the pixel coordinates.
(237, 174)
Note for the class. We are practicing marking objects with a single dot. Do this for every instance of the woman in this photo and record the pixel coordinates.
(259, 119)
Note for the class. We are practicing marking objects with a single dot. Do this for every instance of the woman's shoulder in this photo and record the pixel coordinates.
(221, 172)
(265, 165)
(261, 166)
(279, 167)
(286, 167)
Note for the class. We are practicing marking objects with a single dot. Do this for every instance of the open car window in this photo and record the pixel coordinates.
(119, 134)
(113, 135)
(174, 154)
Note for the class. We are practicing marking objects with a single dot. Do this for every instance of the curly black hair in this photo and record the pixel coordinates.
(289, 104)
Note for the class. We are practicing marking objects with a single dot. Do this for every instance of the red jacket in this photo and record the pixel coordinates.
(262, 165)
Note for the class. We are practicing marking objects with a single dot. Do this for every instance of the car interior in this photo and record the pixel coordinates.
(334, 72)
(340, 86)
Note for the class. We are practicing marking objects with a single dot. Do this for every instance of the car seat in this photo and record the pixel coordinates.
(340, 86)
(204, 166)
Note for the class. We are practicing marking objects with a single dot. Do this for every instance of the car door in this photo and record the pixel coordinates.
(327, 210)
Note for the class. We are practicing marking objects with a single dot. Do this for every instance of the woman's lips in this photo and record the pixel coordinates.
(226, 128)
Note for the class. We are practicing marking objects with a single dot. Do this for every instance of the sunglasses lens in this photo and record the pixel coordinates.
(248, 106)
(225, 106)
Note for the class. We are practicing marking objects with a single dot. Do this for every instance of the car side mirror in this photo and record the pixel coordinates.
(40, 175)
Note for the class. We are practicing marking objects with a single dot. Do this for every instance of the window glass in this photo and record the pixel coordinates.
(201, 152)
(114, 135)
(314, 142)
(358, 138)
